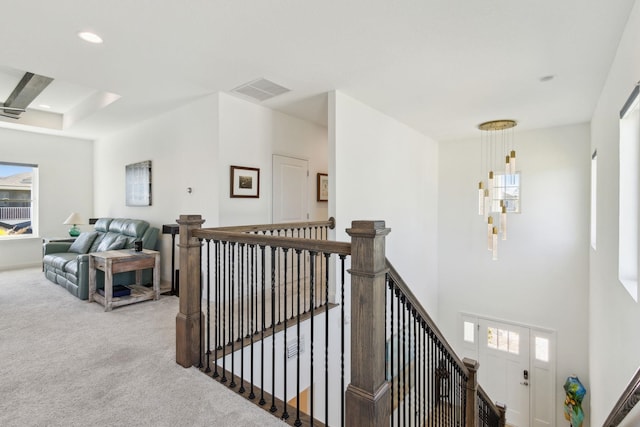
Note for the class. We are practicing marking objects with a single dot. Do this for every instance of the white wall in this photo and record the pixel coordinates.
(541, 277)
(249, 135)
(193, 146)
(614, 317)
(65, 180)
(380, 169)
(183, 148)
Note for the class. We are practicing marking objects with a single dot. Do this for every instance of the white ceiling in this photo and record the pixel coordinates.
(440, 66)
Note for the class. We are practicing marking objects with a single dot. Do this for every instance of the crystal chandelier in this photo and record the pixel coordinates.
(498, 166)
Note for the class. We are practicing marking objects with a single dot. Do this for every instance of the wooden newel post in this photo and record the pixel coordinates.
(471, 409)
(503, 414)
(367, 397)
(189, 336)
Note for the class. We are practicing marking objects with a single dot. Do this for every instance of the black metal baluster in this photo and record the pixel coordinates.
(200, 364)
(404, 360)
(279, 285)
(208, 368)
(326, 341)
(451, 385)
(312, 260)
(298, 423)
(425, 372)
(407, 420)
(241, 316)
(390, 374)
(416, 368)
(304, 288)
(273, 327)
(433, 401)
(262, 280)
(232, 311)
(293, 272)
(399, 380)
(419, 378)
(217, 310)
(342, 389)
(252, 327)
(285, 413)
(224, 311)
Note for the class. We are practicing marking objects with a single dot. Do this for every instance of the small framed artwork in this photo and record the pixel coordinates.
(245, 182)
(322, 187)
(138, 184)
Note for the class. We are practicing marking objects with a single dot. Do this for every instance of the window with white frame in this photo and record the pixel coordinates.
(506, 189)
(628, 194)
(18, 189)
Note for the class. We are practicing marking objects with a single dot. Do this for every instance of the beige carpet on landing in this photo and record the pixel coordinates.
(66, 362)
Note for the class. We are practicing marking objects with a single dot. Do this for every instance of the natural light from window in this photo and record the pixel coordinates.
(594, 197)
(469, 332)
(628, 196)
(507, 188)
(542, 349)
(18, 184)
(504, 340)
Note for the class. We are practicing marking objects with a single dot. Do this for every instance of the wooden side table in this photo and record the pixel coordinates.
(112, 262)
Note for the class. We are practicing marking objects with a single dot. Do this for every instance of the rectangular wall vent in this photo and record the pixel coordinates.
(292, 347)
(260, 89)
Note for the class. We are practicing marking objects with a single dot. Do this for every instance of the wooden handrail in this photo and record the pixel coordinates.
(247, 234)
(630, 396)
(423, 313)
(331, 223)
(487, 400)
(320, 246)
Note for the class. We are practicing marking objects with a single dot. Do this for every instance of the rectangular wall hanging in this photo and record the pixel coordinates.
(138, 183)
(322, 189)
(245, 182)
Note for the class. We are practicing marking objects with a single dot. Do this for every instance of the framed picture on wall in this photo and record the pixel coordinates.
(245, 182)
(322, 190)
(138, 184)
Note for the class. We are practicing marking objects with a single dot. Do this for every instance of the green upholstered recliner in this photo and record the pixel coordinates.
(67, 264)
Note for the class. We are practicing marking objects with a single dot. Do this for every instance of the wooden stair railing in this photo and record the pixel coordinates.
(468, 404)
(629, 398)
(432, 378)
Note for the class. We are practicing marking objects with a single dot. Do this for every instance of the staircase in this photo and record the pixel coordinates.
(270, 311)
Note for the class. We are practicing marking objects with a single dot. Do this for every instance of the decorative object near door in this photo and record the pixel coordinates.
(245, 182)
(138, 182)
(573, 402)
(322, 187)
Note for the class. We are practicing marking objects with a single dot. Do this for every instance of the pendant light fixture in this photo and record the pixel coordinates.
(496, 144)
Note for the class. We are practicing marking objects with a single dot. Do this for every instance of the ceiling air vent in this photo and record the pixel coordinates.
(260, 89)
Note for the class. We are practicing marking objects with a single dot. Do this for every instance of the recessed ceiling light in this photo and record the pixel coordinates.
(45, 106)
(90, 37)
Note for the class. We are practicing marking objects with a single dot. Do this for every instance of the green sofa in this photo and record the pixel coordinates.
(67, 264)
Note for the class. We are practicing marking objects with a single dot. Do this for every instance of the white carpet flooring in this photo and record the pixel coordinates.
(66, 362)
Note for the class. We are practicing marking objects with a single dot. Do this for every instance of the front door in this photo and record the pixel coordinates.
(504, 367)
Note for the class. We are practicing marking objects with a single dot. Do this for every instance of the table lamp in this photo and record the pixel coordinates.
(73, 219)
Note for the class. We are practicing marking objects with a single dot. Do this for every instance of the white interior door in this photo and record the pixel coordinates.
(290, 189)
(504, 367)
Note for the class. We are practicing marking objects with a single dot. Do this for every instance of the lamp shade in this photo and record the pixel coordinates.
(73, 219)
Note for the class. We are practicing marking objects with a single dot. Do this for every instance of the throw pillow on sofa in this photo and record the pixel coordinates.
(82, 244)
(112, 242)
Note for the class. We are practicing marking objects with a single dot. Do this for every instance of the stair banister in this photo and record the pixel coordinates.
(367, 397)
(189, 320)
